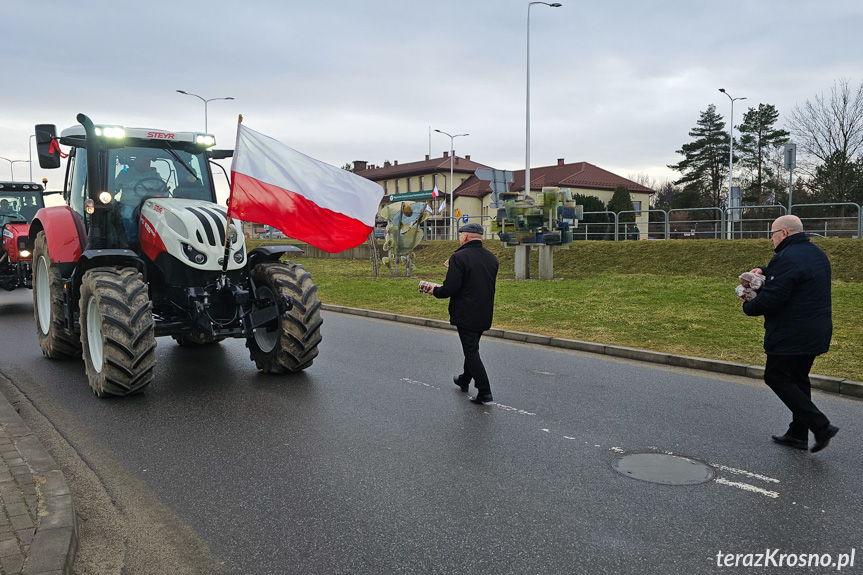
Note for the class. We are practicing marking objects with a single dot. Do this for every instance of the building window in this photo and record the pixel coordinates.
(397, 186)
(422, 183)
(409, 185)
(637, 207)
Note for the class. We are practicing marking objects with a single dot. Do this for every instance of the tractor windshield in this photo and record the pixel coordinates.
(19, 206)
(139, 172)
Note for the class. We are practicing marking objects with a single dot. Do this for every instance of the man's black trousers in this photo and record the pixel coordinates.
(788, 377)
(473, 367)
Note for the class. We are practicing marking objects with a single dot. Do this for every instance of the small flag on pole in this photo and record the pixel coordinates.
(442, 207)
(435, 193)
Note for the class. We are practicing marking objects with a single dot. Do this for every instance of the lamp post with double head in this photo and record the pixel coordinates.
(730, 153)
(527, 104)
(205, 101)
(12, 176)
(11, 165)
(451, 186)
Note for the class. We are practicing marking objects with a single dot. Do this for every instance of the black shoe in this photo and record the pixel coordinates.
(791, 441)
(462, 386)
(823, 440)
(483, 398)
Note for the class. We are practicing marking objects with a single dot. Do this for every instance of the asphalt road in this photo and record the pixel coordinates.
(372, 461)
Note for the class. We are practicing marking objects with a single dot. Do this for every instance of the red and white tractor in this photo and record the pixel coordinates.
(142, 249)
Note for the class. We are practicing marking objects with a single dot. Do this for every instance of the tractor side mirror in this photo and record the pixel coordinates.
(47, 146)
(220, 154)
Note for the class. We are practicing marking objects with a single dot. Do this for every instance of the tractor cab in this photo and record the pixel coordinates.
(109, 175)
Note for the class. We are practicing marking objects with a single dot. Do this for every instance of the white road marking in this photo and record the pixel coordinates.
(746, 473)
(747, 487)
(415, 382)
(618, 450)
(514, 409)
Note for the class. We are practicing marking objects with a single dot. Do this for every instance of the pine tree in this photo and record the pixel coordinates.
(621, 201)
(705, 158)
(757, 137)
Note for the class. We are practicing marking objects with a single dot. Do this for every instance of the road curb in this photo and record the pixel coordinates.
(837, 385)
(55, 540)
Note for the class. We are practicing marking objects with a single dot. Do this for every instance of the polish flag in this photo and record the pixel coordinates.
(435, 193)
(328, 207)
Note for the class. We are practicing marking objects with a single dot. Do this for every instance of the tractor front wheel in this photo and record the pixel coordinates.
(49, 305)
(290, 343)
(117, 331)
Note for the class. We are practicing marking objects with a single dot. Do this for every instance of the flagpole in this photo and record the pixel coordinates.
(228, 211)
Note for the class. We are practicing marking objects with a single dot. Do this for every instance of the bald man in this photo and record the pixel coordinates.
(798, 325)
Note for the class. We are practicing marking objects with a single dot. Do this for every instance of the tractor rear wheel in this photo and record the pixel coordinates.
(117, 331)
(49, 305)
(291, 343)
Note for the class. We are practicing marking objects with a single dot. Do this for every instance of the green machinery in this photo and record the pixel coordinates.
(547, 220)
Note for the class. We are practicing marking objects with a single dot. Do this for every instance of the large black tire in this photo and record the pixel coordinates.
(117, 331)
(49, 305)
(293, 345)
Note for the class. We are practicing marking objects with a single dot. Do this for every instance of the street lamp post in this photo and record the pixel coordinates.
(730, 156)
(205, 101)
(11, 162)
(451, 186)
(30, 151)
(22, 162)
(10, 167)
(527, 104)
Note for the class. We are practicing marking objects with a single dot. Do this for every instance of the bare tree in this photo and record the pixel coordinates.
(824, 126)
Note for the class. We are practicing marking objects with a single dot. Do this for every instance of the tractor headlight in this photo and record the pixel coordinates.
(194, 255)
(110, 131)
(89, 206)
(105, 197)
(239, 255)
(205, 140)
(25, 247)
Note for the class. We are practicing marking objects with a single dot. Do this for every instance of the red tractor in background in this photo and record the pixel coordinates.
(19, 202)
(142, 249)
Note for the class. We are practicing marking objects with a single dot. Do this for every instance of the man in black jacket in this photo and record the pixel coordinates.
(470, 282)
(798, 325)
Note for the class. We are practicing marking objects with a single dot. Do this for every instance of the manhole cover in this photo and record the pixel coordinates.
(663, 469)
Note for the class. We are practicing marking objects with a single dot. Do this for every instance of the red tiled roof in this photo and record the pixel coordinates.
(460, 165)
(578, 175)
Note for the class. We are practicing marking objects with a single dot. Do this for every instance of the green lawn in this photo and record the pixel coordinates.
(674, 296)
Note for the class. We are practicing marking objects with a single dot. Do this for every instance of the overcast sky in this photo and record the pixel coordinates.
(615, 83)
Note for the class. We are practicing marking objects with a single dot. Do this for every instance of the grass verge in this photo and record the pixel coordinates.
(674, 296)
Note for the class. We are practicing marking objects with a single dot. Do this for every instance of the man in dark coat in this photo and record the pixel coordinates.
(470, 282)
(798, 325)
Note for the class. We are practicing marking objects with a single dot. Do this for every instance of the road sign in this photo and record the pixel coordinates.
(458, 213)
(464, 218)
(790, 156)
(499, 179)
(423, 195)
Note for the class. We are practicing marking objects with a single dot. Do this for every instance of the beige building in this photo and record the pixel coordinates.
(415, 181)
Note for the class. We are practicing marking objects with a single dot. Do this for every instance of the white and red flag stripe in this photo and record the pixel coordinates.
(309, 200)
